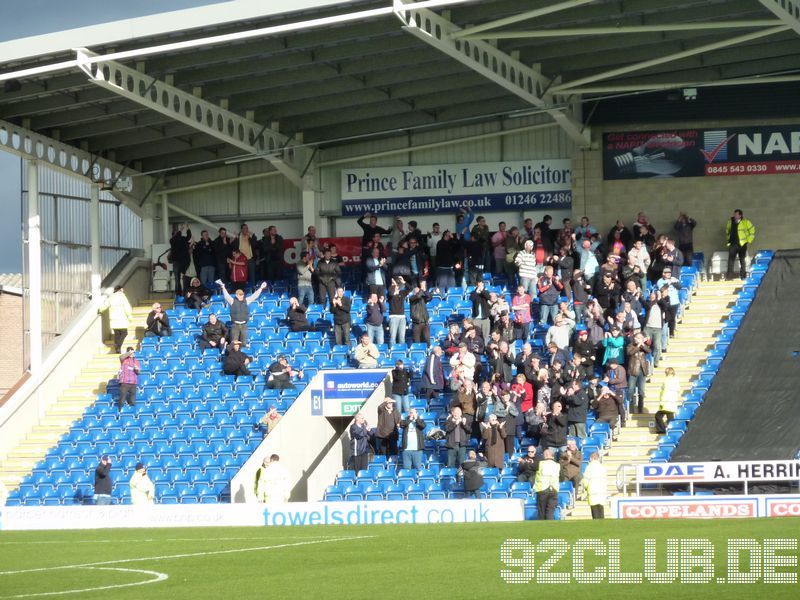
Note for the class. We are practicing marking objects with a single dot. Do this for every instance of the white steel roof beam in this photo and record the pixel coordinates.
(488, 61)
(652, 87)
(577, 83)
(531, 14)
(201, 115)
(787, 11)
(627, 29)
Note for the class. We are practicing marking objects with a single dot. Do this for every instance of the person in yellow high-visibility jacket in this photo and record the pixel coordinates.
(668, 400)
(739, 233)
(595, 482)
(546, 486)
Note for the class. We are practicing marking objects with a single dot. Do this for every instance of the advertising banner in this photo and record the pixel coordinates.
(719, 472)
(260, 515)
(705, 507)
(764, 150)
(518, 185)
(348, 248)
(344, 392)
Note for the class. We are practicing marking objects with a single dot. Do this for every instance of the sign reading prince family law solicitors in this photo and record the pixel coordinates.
(764, 150)
(518, 185)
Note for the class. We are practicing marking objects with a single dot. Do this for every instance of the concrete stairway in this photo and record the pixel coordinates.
(686, 352)
(72, 402)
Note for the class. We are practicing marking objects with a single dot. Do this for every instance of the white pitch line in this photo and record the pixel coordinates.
(187, 555)
(157, 576)
(229, 539)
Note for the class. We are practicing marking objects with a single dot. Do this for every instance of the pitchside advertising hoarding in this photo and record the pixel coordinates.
(517, 185)
(719, 472)
(706, 507)
(343, 393)
(261, 515)
(764, 150)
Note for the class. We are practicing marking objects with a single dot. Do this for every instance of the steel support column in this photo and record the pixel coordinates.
(94, 236)
(34, 270)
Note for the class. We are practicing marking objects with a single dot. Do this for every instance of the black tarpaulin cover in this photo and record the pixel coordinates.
(752, 410)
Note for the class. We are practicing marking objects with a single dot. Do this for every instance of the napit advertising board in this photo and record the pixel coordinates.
(344, 392)
(705, 507)
(260, 515)
(512, 185)
(764, 150)
(719, 472)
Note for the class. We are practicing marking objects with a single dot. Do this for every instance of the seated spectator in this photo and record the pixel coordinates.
(374, 319)
(387, 432)
(196, 294)
(571, 460)
(157, 323)
(280, 375)
(296, 315)
(527, 465)
(215, 335)
(493, 433)
(270, 420)
(236, 361)
(451, 343)
(413, 440)
(472, 470)
(668, 401)
(366, 353)
(401, 382)
(433, 374)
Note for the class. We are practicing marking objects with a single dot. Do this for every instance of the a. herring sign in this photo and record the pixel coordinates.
(515, 185)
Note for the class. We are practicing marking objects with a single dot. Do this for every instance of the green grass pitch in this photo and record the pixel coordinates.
(381, 561)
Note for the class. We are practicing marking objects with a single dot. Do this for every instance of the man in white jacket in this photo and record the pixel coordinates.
(142, 489)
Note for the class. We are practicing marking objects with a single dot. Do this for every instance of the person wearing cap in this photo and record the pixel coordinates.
(120, 314)
(672, 284)
(280, 375)
(128, 378)
(103, 482)
(142, 489)
(387, 432)
(236, 361)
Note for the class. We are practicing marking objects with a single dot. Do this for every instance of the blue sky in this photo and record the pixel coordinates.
(34, 17)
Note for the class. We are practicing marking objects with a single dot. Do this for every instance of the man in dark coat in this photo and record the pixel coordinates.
(103, 482)
(387, 432)
(214, 335)
(433, 374)
(472, 469)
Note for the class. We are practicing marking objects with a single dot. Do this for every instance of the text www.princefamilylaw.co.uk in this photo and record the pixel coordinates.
(747, 561)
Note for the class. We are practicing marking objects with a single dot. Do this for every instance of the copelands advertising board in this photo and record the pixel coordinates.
(517, 185)
(764, 150)
(705, 507)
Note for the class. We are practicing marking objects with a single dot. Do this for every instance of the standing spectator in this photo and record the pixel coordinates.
(480, 234)
(119, 316)
(280, 374)
(671, 256)
(481, 309)
(577, 403)
(587, 260)
(397, 314)
(413, 440)
(142, 489)
(272, 254)
(215, 335)
(247, 245)
(498, 241)
(340, 307)
(128, 378)
(270, 420)
(401, 383)
(205, 259)
(668, 400)
(387, 432)
(546, 486)
(624, 234)
(305, 273)
(447, 255)
(370, 230)
(472, 472)
(376, 276)
(595, 483)
(638, 366)
(521, 307)
(420, 319)
(640, 258)
(273, 486)
(237, 264)
(296, 315)
(367, 353)
(328, 273)
(236, 361)
(571, 460)
(656, 307)
(494, 434)
(397, 235)
(643, 230)
(740, 233)
(240, 310)
(614, 344)
(359, 443)
(463, 363)
(195, 294)
(685, 227)
(554, 431)
(527, 466)
(607, 406)
(617, 380)
(585, 230)
(464, 219)
(549, 287)
(512, 245)
(526, 263)
(258, 488)
(374, 319)
(507, 413)
(673, 284)
(102, 482)
(433, 374)
(222, 252)
(433, 238)
(457, 433)
(179, 254)
(558, 333)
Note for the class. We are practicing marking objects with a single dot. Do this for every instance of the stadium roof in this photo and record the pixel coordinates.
(193, 88)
